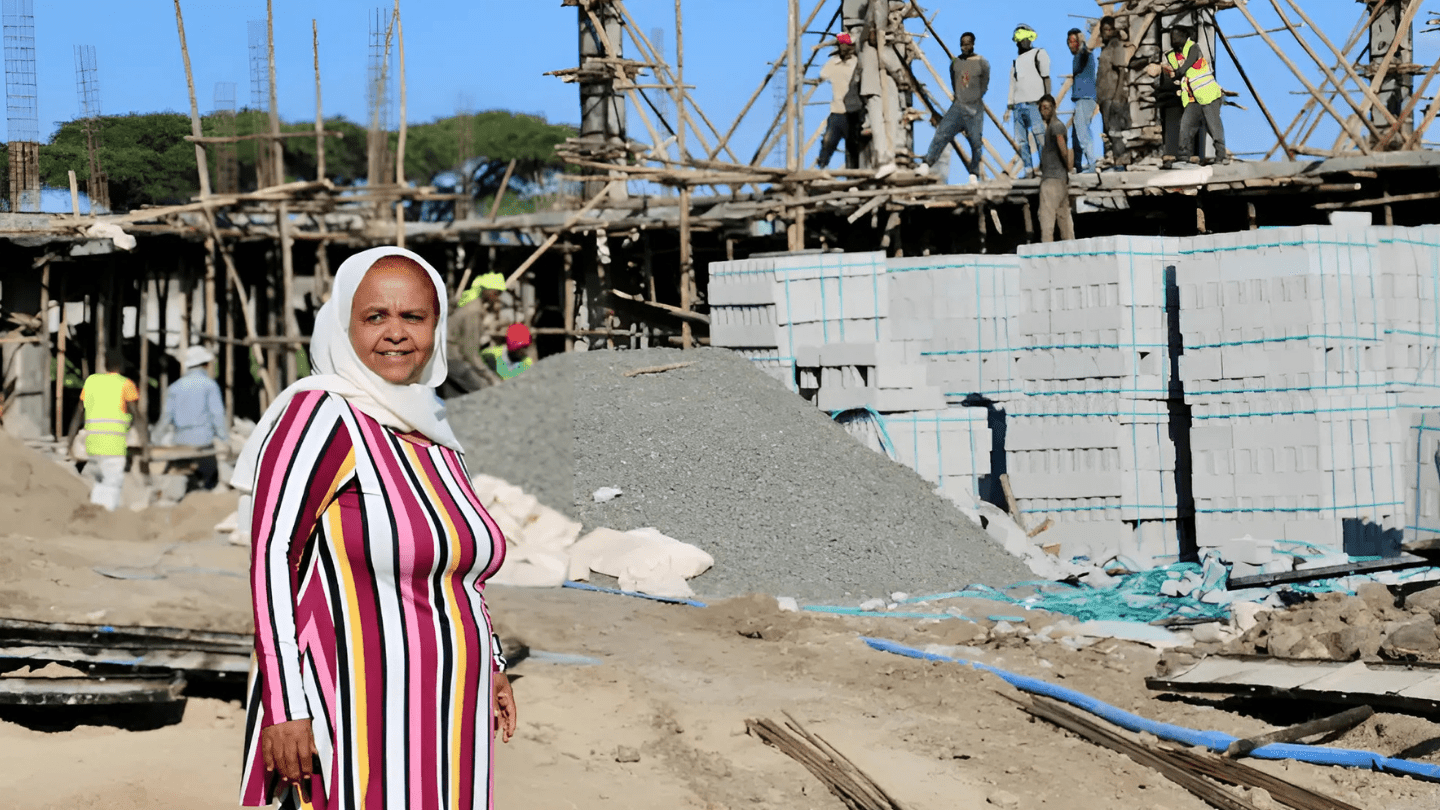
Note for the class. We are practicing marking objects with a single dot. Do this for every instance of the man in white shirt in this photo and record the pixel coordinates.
(845, 106)
(1029, 82)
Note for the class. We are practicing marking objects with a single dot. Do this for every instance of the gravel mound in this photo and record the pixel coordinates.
(720, 455)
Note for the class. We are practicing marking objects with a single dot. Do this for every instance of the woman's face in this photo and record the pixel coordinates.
(393, 318)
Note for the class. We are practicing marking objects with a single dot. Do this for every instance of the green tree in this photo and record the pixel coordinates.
(149, 161)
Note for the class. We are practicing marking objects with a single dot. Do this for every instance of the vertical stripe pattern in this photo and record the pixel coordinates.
(369, 558)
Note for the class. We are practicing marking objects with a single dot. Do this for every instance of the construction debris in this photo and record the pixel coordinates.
(1187, 768)
(849, 784)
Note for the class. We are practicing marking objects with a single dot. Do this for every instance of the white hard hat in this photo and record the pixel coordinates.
(197, 356)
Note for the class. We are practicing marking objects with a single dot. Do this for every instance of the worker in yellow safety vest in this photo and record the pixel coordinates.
(1200, 94)
(514, 358)
(108, 400)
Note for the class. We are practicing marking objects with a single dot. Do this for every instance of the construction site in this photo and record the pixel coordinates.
(828, 487)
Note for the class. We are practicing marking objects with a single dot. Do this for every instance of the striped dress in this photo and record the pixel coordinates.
(370, 554)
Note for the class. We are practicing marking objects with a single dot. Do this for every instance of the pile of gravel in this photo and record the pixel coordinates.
(722, 456)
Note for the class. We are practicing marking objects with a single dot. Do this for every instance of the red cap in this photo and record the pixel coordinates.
(517, 336)
(844, 39)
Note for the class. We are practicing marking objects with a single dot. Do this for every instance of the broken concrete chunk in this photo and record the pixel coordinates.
(1427, 601)
(1413, 638)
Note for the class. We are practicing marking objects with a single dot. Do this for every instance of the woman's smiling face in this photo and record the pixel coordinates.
(393, 319)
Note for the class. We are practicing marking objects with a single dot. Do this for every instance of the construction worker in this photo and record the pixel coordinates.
(1082, 93)
(845, 106)
(195, 409)
(1029, 80)
(487, 289)
(1057, 161)
(1200, 94)
(109, 409)
(1112, 91)
(514, 358)
(970, 79)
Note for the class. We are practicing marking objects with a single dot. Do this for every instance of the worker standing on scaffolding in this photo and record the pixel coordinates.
(1082, 93)
(1029, 80)
(1200, 94)
(1057, 161)
(970, 77)
(844, 121)
(1112, 92)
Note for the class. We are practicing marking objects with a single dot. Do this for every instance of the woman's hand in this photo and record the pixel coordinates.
(290, 749)
(505, 718)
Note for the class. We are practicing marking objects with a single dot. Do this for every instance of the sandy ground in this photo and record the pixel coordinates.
(672, 685)
(675, 685)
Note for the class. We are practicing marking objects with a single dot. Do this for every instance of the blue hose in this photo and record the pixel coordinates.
(1214, 740)
(581, 586)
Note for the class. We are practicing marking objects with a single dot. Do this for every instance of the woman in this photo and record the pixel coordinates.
(378, 682)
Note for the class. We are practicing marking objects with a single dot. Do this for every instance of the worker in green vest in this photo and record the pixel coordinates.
(512, 359)
(1200, 94)
(109, 400)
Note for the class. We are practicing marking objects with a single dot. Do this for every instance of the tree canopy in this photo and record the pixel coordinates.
(149, 161)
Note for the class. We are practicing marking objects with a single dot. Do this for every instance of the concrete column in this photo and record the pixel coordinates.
(1396, 89)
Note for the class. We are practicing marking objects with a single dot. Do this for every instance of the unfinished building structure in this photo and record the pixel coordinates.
(623, 267)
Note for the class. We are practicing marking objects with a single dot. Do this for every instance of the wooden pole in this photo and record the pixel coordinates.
(793, 73)
(555, 237)
(186, 305)
(1382, 70)
(1410, 109)
(142, 329)
(276, 151)
(400, 146)
(74, 195)
(687, 268)
(504, 184)
(1289, 153)
(287, 324)
(229, 354)
(61, 335)
(319, 115)
(780, 61)
(47, 394)
(1350, 42)
(1371, 98)
(1344, 64)
(212, 315)
(569, 291)
(1359, 140)
(1419, 133)
(201, 163)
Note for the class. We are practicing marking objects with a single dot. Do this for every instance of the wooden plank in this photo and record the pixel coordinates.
(1347, 719)
(1114, 739)
(23, 691)
(1399, 563)
(1409, 687)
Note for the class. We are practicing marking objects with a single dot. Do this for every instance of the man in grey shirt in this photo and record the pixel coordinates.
(970, 76)
(1112, 90)
(1056, 163)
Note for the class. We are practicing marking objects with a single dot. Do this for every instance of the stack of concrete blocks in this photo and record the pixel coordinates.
(1408, 267)
(874, 376)
(1089, 448)
(949, 447)
(962, 313)
(1422, 485)
(1297, 434)
(768, 308)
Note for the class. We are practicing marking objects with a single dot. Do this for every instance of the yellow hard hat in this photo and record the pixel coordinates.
(1024, 33)
(491, 281)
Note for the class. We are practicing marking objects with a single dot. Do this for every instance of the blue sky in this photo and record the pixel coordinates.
(489, 54)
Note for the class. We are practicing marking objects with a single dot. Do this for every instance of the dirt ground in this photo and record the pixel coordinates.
(673, 685)
(665, 688)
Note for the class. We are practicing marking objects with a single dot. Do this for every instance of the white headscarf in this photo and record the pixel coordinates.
(335, 367)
